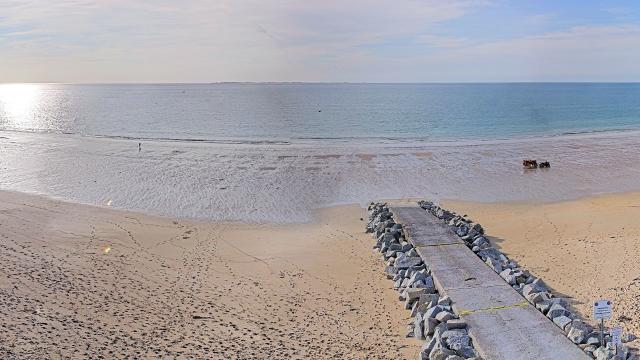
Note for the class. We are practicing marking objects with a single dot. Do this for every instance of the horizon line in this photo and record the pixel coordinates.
(321, 82)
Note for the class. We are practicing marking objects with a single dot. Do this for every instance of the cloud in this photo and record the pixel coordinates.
(619, 11)
(540, 19)
(438, 41)
(291, 40)
(221, 40)
(598, 53)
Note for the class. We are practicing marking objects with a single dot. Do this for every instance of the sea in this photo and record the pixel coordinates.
(276, 152)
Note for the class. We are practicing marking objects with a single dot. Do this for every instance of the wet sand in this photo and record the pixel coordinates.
(585, 249)
(269, 183)
(79, 281)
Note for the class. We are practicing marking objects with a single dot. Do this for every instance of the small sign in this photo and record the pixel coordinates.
(616, 335)
(602, 310)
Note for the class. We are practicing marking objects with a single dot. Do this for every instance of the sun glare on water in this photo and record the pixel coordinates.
(17, 104)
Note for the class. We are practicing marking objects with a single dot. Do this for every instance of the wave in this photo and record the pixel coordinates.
(351, 140)
(230, 141)
(197, 140)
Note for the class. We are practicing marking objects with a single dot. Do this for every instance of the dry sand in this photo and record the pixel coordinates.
(586, 249)
(179, 289)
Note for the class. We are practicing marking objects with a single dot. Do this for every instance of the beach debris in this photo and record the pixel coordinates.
(544, 164)
(533, 289)
(106, 249)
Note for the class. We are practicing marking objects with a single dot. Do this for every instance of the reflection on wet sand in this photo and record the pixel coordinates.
(285, 183)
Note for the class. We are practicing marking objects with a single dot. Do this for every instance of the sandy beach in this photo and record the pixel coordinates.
(81, 281)
(584, 249)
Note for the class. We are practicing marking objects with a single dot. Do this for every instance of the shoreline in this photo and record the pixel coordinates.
(261, 184)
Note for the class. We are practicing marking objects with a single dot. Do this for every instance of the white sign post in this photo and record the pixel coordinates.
(602, 310)
(616, 337)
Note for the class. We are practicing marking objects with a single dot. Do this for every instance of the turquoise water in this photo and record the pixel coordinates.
(286, 112)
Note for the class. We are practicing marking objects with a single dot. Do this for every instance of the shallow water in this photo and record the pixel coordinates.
(284, 183)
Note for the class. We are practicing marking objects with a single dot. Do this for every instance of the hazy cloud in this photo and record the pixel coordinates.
(597, 53)
(288, 40)
(438, 41)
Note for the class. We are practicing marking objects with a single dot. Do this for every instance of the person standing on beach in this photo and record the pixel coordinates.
(139, 146)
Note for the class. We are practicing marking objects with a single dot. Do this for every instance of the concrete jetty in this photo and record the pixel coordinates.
(501, 323)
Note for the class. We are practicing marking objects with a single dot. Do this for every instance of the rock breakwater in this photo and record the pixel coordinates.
(433, 318)
(532, 288)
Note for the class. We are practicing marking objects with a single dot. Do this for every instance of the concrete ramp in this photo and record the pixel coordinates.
(502, 323)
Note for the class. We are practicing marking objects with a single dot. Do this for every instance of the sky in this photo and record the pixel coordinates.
(93, 41)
